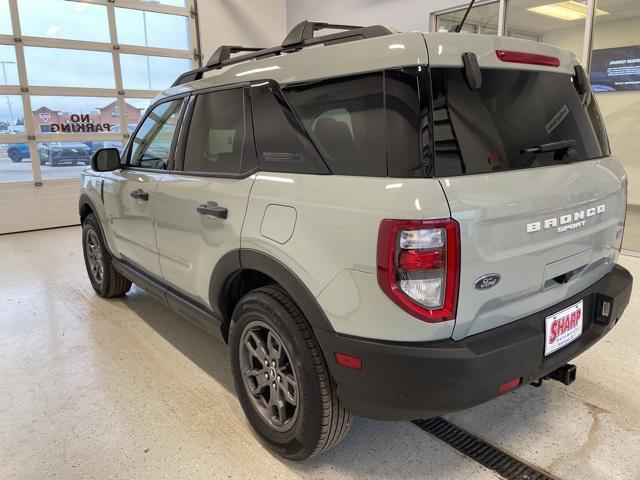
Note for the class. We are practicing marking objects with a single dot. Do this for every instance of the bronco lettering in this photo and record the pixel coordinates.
(563, 223)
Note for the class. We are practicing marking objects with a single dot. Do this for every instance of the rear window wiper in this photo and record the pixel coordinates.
(550, 147)
(560, 149)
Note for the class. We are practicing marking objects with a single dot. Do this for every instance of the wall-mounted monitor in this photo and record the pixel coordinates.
(616, 69)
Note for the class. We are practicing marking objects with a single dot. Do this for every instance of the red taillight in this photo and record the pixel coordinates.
(530, 58)
(418, 266)
(349, 361)
(420, 260)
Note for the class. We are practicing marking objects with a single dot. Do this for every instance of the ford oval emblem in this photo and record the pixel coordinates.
(486, 281)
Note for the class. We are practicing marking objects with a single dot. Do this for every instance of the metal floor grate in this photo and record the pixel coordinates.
(482, 452)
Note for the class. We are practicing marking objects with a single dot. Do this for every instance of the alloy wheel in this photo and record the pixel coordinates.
(94, 256)
(269, 375)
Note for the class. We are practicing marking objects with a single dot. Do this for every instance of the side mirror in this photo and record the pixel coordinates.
(105, 160)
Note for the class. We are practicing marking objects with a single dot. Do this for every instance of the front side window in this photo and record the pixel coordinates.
(345, 117)
(517, 119)
(151, 146)
(217, 134)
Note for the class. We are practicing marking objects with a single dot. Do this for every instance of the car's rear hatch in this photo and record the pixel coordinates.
(525, 166)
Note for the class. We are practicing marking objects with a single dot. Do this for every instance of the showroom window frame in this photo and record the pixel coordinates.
(26, 91)
(587, 46)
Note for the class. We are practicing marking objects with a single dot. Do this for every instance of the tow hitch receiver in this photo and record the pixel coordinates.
(565, 374)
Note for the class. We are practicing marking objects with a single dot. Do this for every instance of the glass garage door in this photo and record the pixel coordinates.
(76, 76)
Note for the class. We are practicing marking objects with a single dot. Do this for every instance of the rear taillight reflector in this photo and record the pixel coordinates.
(507, 387)
(418, 266)
(530, 58)
(348, 361)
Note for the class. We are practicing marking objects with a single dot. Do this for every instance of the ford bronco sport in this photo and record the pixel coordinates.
(392, 225)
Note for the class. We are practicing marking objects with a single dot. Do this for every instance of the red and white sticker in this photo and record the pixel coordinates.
(563, 327)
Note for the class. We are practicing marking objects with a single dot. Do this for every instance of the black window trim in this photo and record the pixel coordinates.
(186, 123)
(176, 159)
(127, 150)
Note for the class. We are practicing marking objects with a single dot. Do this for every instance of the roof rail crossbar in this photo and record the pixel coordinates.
(304, 31)
(222, 56)
(223, 52)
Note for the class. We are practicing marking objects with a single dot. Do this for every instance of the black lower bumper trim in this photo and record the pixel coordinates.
(484, 453)
(409, 381)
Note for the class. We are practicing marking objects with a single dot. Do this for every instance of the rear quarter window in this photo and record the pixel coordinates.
(345, 118)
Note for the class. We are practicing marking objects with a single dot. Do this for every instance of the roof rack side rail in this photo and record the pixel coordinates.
(304, 31)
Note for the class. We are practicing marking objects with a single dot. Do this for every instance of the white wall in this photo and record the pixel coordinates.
(621, 110)
(402, 14)
(260, 23)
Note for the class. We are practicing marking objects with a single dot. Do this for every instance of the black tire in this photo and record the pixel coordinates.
(15, 156)
(320, 421)
(109, 283)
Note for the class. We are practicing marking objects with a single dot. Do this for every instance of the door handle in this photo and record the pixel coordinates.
(212, 208)
(140, 194)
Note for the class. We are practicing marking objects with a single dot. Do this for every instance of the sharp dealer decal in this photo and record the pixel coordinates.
(566, 222)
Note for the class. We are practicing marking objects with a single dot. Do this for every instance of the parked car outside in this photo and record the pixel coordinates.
(58, 153)
(17, 151)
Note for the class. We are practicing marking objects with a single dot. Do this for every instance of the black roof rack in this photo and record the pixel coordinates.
(304, 31)
(299, 37)
(223, 53)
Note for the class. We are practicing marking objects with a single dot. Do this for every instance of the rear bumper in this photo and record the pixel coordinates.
(406, 381)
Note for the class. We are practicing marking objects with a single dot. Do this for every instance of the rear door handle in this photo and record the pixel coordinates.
(212, 208)
(140, 194)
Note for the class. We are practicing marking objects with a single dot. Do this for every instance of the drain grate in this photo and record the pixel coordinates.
(482, 452)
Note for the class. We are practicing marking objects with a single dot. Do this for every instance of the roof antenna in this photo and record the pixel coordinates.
(458, 27)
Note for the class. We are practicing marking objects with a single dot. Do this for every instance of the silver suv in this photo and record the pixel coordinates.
(392, 225)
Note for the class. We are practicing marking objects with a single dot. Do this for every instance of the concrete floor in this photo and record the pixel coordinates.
(93, 388)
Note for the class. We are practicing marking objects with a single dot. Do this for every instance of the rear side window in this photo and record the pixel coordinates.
(282, 143)
(217, 133)
(517, 119)
(345, 118)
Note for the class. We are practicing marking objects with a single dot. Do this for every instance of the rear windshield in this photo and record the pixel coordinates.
(517, 119)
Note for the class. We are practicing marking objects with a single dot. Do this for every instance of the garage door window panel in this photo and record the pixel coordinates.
(152, 29)
(151, 146)
(59, 67)
(8, 66)
(64, 114)
(11, 115)
(64, 19)
(5, 18)
(174, 3)
(144, 72)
